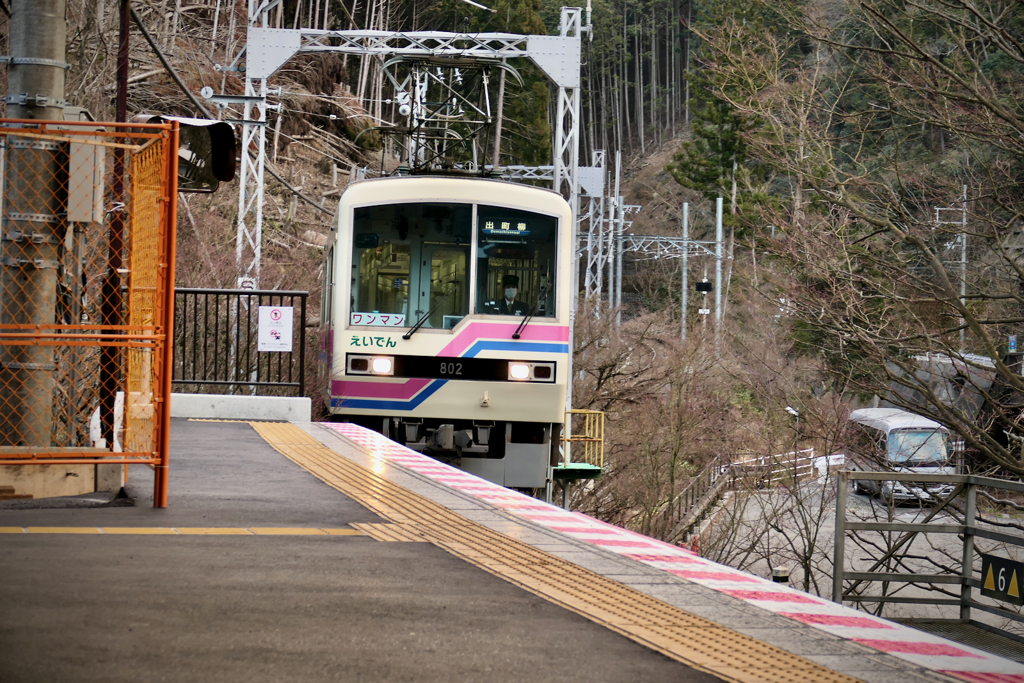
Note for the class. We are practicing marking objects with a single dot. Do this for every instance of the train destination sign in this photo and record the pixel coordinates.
(498, 226)
(1002, 579)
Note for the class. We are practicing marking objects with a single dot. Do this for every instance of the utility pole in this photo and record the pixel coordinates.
(686, 265)
(719, 240)
(34, 219)
(112, 301)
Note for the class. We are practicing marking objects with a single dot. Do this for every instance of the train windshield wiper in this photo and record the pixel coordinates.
(426, 316)
(533, 309)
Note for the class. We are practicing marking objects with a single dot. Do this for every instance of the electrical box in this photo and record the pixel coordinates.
(86, 167)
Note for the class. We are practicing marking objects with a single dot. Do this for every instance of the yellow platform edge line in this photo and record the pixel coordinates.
(646, 620)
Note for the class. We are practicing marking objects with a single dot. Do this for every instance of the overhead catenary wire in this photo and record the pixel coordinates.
(266, 167)
(167, 65)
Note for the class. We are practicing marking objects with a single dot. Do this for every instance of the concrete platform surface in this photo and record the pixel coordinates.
(325, 552)
(138, 607)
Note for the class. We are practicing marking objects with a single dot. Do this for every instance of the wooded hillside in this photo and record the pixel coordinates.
(869, 154)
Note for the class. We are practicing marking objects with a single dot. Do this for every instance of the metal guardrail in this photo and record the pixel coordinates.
(216, 342)
(692, 504)
(962, 506)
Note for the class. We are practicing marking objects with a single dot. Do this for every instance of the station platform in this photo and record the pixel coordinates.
(309, 552)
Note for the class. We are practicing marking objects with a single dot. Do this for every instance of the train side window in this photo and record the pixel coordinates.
(516, 249)
(327, 299)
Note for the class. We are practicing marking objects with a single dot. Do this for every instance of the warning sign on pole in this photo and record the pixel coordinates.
(275, 329)
(1002, 579)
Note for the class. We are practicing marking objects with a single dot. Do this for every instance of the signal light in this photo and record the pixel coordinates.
(207, 151)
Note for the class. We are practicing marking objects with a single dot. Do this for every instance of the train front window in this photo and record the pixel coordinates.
(516, 266)
(409, 260)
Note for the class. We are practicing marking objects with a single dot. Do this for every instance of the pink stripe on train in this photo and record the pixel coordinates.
(403, 391)
(475, 332)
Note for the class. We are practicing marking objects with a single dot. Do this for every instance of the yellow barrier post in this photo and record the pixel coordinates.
(590, 440)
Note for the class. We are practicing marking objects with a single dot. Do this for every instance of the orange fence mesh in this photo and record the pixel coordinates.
(86, 293)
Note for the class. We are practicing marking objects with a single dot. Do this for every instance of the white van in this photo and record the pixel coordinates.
(887, 439)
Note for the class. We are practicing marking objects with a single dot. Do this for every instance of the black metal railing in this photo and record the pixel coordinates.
(216, 343)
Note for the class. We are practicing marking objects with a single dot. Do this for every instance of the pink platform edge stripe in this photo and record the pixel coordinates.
(713, 576)
(578, 530)
(836, 620)
(931, 649)
(985, 677)
(625, 543)
(643, 557)
(543, 512)
(770, 596)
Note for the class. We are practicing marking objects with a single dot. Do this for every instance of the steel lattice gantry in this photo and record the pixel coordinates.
(268, 49)
(657, 246)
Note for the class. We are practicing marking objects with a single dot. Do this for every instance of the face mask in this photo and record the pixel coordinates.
(510, 293)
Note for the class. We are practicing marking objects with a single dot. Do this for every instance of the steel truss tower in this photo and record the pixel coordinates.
(268, 49)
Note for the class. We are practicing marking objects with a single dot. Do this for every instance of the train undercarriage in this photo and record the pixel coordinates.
(514, 454)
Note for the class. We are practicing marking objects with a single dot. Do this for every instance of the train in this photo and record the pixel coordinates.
(446, 319)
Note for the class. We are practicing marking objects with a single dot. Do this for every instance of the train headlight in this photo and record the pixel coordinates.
(519, 371)
(382, 365)
(370, 365)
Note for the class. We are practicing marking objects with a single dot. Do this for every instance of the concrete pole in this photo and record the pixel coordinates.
(619, 227)
(686, 263)
(613, 225)
(719, 240)
(34, 197)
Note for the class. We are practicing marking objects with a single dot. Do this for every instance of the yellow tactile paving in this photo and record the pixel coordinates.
(685, 637)
(402, 533)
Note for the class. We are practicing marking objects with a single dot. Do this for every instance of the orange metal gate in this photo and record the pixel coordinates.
(87, 293)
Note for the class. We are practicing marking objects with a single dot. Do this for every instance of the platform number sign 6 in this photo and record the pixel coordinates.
(1002, 579)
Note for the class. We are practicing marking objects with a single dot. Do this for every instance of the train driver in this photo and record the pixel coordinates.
(508, 304)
